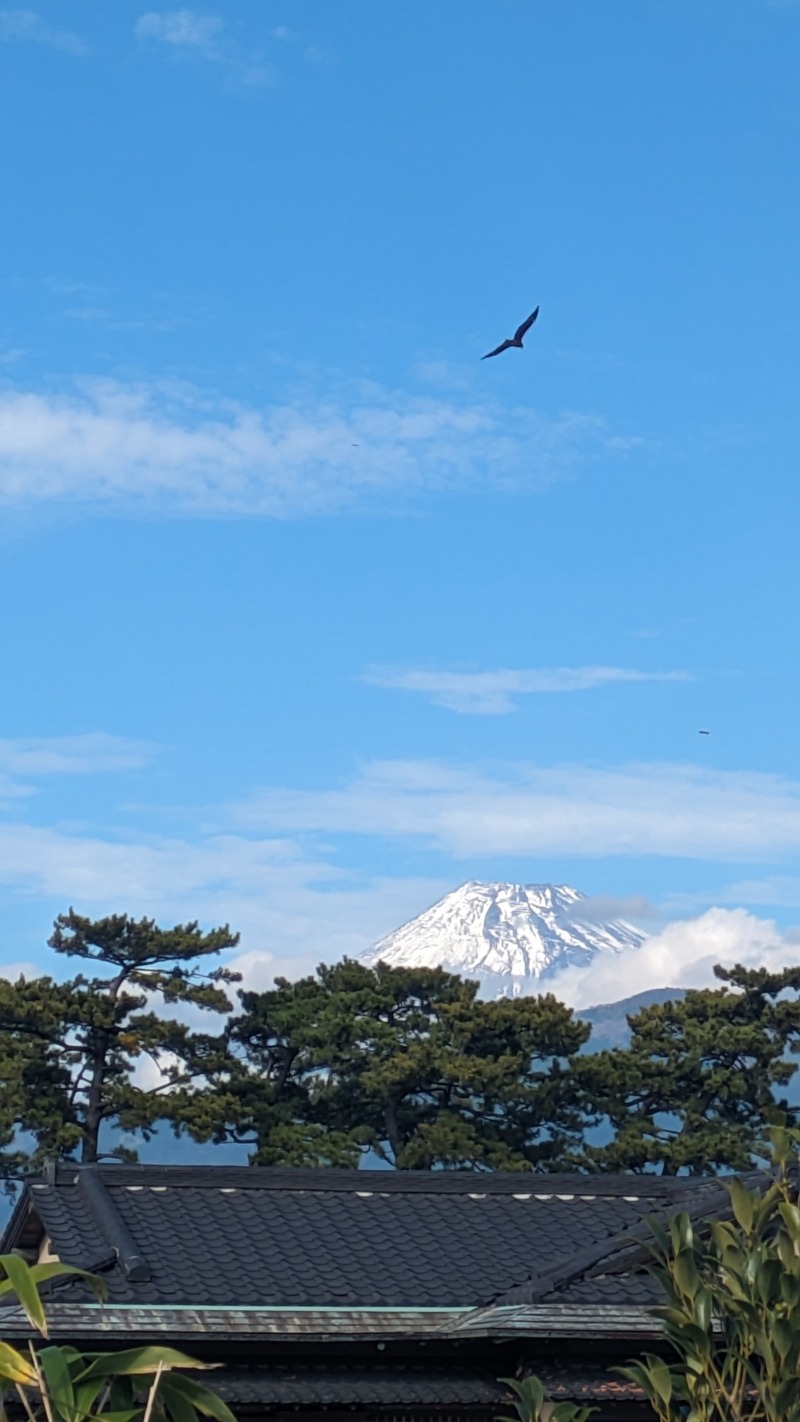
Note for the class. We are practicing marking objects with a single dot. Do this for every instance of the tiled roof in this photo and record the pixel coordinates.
(395, 1385)
(403, 1385)
(635, 1287)
(248, 1238)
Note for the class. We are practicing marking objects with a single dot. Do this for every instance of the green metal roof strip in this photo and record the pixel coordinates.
(273, 1308)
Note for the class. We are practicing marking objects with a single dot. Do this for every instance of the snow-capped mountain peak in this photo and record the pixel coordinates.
(508, 936)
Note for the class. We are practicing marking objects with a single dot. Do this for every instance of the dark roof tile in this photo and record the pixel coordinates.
(247, 1237)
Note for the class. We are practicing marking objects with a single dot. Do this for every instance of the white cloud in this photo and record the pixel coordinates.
(522, 810)
(493, 693)
(26, 25)
(683, 954)
(183, 28)
(174, 450)
(73, 755)
(291, 910)
(27, 759)
(204, 36)
(773, 889)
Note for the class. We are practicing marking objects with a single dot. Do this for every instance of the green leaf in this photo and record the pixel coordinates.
(125, 1414)
(661, 1379)
(16, 1368)
(133, 1361)
(684, 1271)
(55, 1369)
(635, 1373)
(659, 1234)
(743, 1203)
(19, 1281)
(203, 1399)
(531, 1397)
(175, 1403)
(786, 1395)
(570, 1412)
(680, 1228)
(703, 1305)
(790, 1215)
(43, 1273)
(87, 1394)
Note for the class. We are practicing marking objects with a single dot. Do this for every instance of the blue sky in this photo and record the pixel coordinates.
(310, 614)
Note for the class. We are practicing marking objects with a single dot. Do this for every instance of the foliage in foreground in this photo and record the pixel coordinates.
(60, 1384)
(533, 1405)
(732, 1309)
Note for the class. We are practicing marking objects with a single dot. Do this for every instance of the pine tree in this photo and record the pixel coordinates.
(407, 1063)
(70, 1051)
(702, 1078)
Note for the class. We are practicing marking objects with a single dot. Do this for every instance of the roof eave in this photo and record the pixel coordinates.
(89, 1320)
(20, 1217)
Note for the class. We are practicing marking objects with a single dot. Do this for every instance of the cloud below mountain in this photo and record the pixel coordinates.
(682, 954)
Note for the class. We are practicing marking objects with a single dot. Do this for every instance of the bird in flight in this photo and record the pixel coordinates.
(704, 733)
(516, 339)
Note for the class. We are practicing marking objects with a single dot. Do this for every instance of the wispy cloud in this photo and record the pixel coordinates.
(771, 890)
(26, 760)
(73, 755)
(111, 320)
(293, 911)
(495, 693)
(520, 810)
(601, 908)
(175, 450)
(192, 33)
(295, 907)
(183, 28)
(27, 25)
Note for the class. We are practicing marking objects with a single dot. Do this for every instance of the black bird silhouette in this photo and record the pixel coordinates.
(704, 733)
(516, 339)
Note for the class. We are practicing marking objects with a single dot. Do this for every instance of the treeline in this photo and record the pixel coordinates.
(407, 1065)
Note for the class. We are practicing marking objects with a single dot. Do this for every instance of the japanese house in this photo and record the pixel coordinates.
(370, 1296)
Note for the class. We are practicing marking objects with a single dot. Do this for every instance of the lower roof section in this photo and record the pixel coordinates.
(403, 1385)
(347, 1386)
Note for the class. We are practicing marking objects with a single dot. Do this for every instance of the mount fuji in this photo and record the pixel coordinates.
(510, 937)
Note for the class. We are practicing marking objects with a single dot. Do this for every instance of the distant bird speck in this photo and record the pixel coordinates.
(516, 339)
(704, 733)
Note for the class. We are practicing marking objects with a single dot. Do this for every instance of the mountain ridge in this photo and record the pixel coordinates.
(512, 938)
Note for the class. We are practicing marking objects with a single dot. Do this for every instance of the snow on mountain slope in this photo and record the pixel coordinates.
(508, 936)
